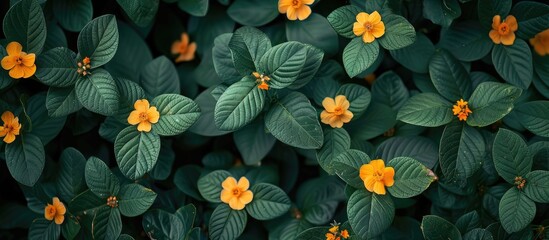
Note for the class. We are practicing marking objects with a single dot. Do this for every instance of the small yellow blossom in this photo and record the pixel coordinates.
(19, 63)
(143, 115)
(503, 32)
(183, 49)
(334, 233)
(236, 194)
(376, 176)
(336, 112)
(55, 211)
(262, 80)
(295, 9)
(11, 127)
(540, 42)
(369, 26)
(461, 109)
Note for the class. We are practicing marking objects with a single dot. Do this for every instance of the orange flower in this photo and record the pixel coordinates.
(143, 115)
(55, 211)
(369, 26)
(461, 109)
(376, 176)
(10, 128)
(503, 32)
(84, 66)
(183, 49)
(295, 9)
(345, 234)
(19, 63)
(335, 234)
(236, 194)
(262, 80)
(336, 112)
(540, 42)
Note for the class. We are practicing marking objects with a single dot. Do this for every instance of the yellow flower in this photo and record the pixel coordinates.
(262, 80)
(236, 194)
(540, 42)
(503, 32)
(376, 176)
(143, 115)
(369, 26)
(10, 128)
(336, 111)
(55, 211)
(335, 234)
(461, 109)
(183, 49)
(19, 63)
(345, 234)
(295, 9)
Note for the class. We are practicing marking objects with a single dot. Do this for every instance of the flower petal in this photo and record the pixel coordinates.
(346, 116)
(184, 40)
(226, 195)
(28, 59)
(175, 47)
(379, 188)
(494, 35)
(8, 62)
(14, 49)
(511, 22)
(142, 105)
(153, 115)
(236, 204)
(368, 37)
(229, 183)
(17, 72)
(378, 164)
(303, 12)
(325, 117)
(47, 212)
(508, 39)
(365, 171)
(28, 71)
(362, 17)
(246, 197)
(7, 116)
(308, 2)
(378, 30)
(59, 218)
(10, 137)
(133, 118)
(369, 183)
(340, 100)
(374, 18)
(59, 206)
(496, 21)
(144, 126)
(283, 5)
(358, 29)
(243, 184)
(389, 176)
(329, 104)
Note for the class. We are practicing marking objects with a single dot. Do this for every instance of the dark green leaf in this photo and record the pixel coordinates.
(490, 102)
(420, 148)
(141, 12)
(239, 104)
(347, 164)
(247, 46)
(514, 63)
(57, 67)
(136, 152)
(25, 158)
(159, 76)
(399, 32)
(42, 229)
(177, 114)
(408, 56)
(134, 199)
(411, 177)
(359, 56)
(163, 225)
(283, 63)
(314, 30)
(537, 186)
(487, 9)
(426, 109)
(449, 77)
(263, 11)
(516, 210)
(370, 214)
(70, 181)
(269, 202)
(336, 141)
(62, 101)
(24, 23)
(254, 142)
(197, 8)
(437, 228)
(342, 20)
(73, 15)
(210, 185)
(226, 223)
(467, 41)
(441, 12)
(98, 92)
(390, 90)
(534, 117)
(511, 156)
(98, 40)
(100, 179)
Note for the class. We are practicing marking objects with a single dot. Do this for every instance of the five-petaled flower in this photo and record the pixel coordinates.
(336, 112)
(540, 42)
(334, 233)
(144, 115)
(295, 9)
(19, 63)
(262, 80)
(183, 49)
(10, 128)
(369, 26)
(461, 109)
(236, 194)
(503, 32)
(55, 211)
(376, 176)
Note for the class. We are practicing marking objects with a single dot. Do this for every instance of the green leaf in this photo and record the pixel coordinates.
(163, 225)
(516, 210)
(342, 20)
(107, 223)
(370, 214)
(248, 45)
(197, 8)
(420, 148)
(98, 40)
(478, 234)
(134, 199)
(399, 32)
(314, 233)
(347, 165)
(24, 23)
(163, 168)
(130, 92)
(537, 186)
(263, 11)
(239, 105)
(5, 79)
(487, 9)
(86, 202)
(210, 185)
(293, 121)
(449, 77)
(314, 30)
(43, 126)
(359, 56)
(41, 229)
(73, 15)
(309, 71)
(100, 179)
(226, 223)
(336, 141)
(511, 156)
(390, 90)
(130, 46)
(532, 18)
(57, 67)
(186, 178)
(514, 63)
(205, 125)
(468, 222)
(437, 228)
(318, 199)
(25, 158)
(141, 12)
(159, 76)
(411, 177)
(532, 117)
(490, 102)
(426, 109)
(206, 29)
(441, 13)
(70, 181)
(408, 56)
(377, 119)
(125, 237)
(71, 227)
(358, 96)
(136, 152)
(187, 216)
(223, 59)
(98, 93)
(62, 101)
(177, 114)
(269, 202)
(254, 142)
(282, 63)
(462, 151)
(55, 37)
(467, 41)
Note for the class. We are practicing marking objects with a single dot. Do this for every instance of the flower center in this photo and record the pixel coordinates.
(19, 60)
(338, 111)
(503, 29)
(369, 26)
(143, 116)
(112, 202)
(520, 182)
(261, 79)
(296, 3)
(84, 67)
(52, 211)
(236, 192)
(378, 174)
